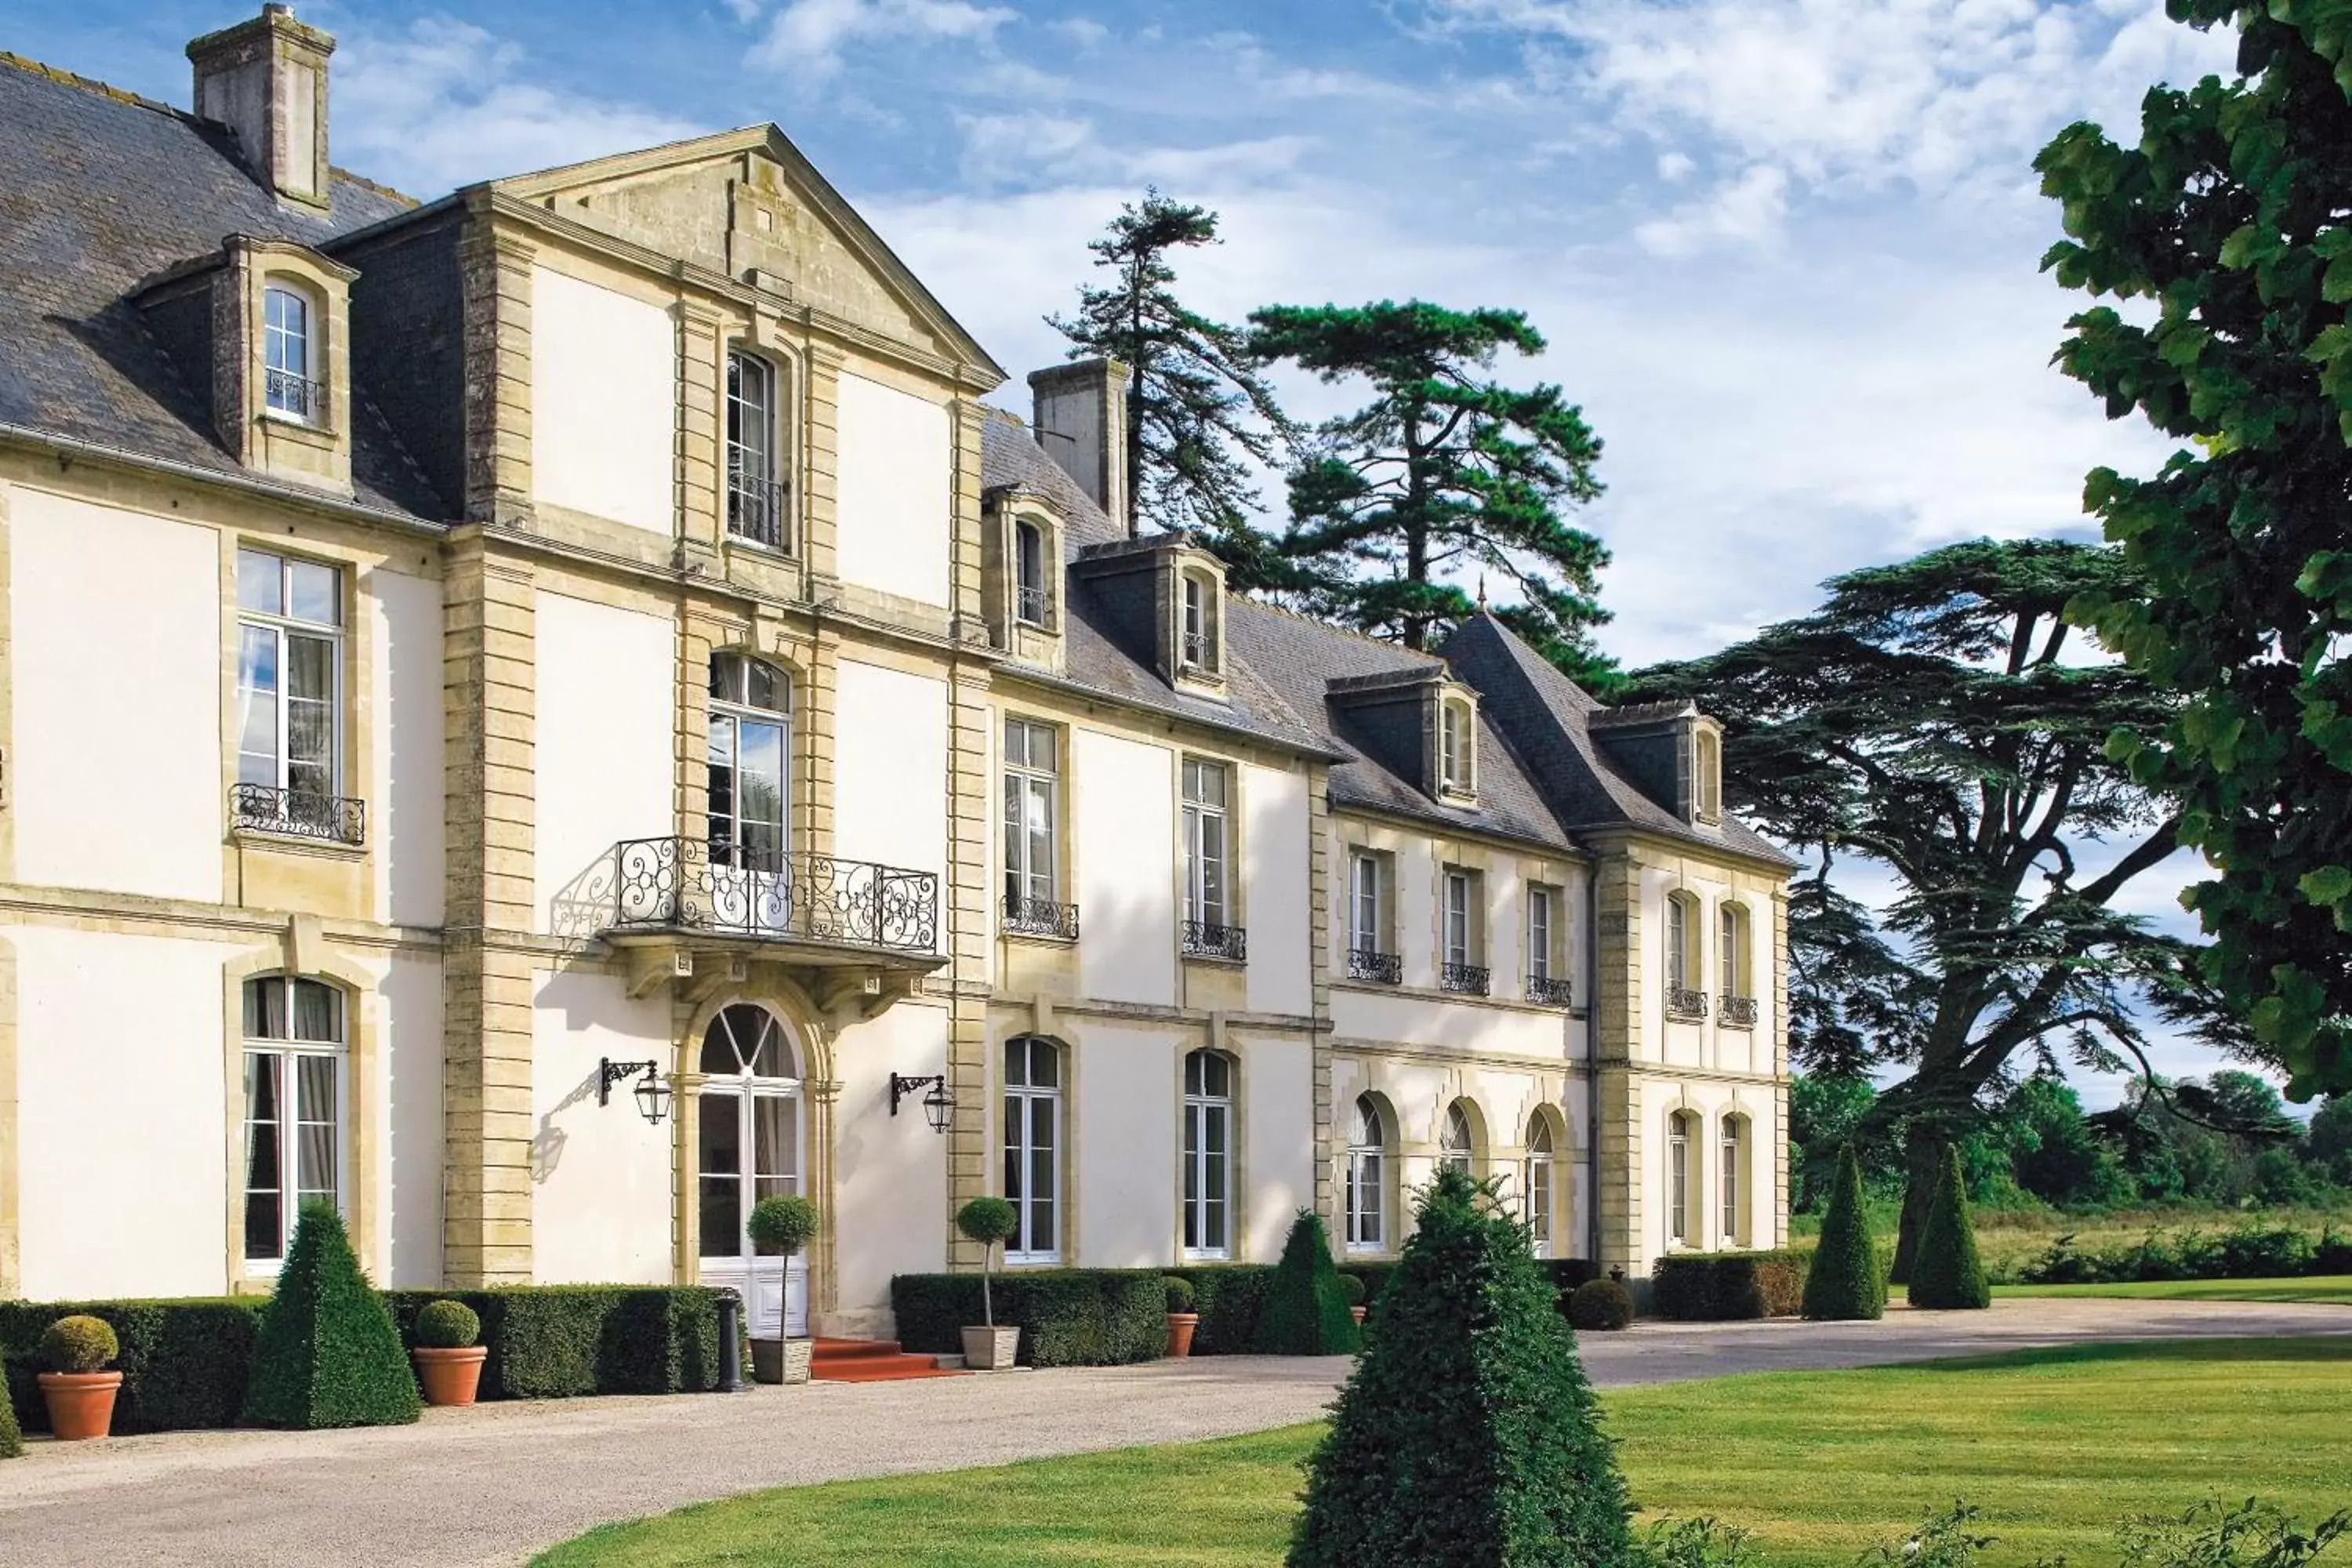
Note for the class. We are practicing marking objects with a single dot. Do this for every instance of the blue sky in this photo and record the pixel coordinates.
(1784, 250)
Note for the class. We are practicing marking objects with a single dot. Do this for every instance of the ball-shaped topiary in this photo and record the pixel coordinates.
(328, 1353)
(784, 1223)
(446, 1325)
(1602, 1304)
(1181, 1294)
(987, 1221)
(1844, 1283)
(1306, 1314)
(1948, 1273)
(1351, 1289)
(79, 1343)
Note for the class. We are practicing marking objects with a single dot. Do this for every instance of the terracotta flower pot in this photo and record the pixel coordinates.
(1181, 1329)
(450, 1376)
(1357, 1313)
(81, 1403)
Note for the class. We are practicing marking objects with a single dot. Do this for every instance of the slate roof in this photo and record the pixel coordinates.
(100, 192)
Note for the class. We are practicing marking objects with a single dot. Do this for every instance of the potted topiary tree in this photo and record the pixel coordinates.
(450, 1352)
(782, 1226)
(987, 1348)
(1351, 1290)
(78, 1389)
(1183, 1321)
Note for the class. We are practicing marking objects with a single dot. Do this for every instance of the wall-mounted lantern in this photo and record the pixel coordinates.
(937, 1105)
(652, 1092)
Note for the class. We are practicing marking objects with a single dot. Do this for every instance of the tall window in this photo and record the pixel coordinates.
(294, 1054)
(1207, 846)
(1199, 622)
(751, 736)
(1731, 1185)
(289, 678)
(1366, 1174)
(1538, 1180)
(1733, 946)
(1540, 913)
(1033, 1147)
(1033, 789)
(1029, 573)
(1679, 1140)
(1683, 977)
(1208, 1153)
(1706, 768)
(1366, 933)
(291, 379)
(1458, 917)
(1457, 1150)
(755, 498)
(747, 1124)
(1454, 746)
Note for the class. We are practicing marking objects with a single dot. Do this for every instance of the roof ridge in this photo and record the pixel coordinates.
(378, 186)
(104, 90)
(1336, 629)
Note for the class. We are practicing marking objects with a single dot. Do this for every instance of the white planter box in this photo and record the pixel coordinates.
(990, 1350)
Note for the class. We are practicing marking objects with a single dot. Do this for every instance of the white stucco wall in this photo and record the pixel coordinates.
(601, 1186)
(605, 763)
(895, 476)
(1425, 1022)
(1276, 1111)
(890, 1173)
(890, 768)
(603, 402)
(1124, 1181)
(1711, 1101)
(122, 1114)
(408, 1120)
(115, 773)
(1275, 841)
(405, 799)
(1123, 814)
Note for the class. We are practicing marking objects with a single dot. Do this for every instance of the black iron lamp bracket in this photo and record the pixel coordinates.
(902, 1085)
(612, 1072)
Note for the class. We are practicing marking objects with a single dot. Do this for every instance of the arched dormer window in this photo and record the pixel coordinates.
(1458, 751)
(1197, 622)
(291, 353)
(749, 751)
(1367, 1205)
(1706, 775)
(755, 488)
(1032, 595)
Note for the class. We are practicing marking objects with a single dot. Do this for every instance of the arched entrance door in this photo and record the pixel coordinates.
(748, 1148)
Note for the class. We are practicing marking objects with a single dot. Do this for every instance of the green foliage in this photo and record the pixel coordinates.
(78, 1342)
(1179, 1291)
(447, 1326)
(328, 1355)
(1351, 1290)
(1231, 1299)
(1827, 1109)
(987, 1221)
(2223, 214)
(2246, 1252)
(1946, 1539)
(12, 1441)
(1603, 1304)
(1844, 1283)
(1305, 1313)
(1727, 1286)
(2253, 1534)
(1443, 474)
(1196, 406)
(1671, 1543)
(781, 1223)
(1948, 1274)
(557, 1341)
(183, 1363)
(1068, 1317)
(1466, 1435)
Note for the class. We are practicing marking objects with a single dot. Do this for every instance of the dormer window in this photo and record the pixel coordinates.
(755, 492)
(1198, 627)
(1454, 746)
(1029, 595)
(289, 354)
(1706, 775)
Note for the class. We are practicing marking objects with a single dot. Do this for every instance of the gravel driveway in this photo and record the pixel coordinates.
(494, 1483)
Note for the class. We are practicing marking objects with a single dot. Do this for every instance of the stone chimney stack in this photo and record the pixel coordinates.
(1080, 419)
(267, 80)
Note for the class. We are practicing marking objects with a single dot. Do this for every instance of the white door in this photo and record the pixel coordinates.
(749, 1147)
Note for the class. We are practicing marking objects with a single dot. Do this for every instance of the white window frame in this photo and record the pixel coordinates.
(1203, 1110)
(1366, 1197)
(1454, 766)
(1205, 821)
(1460, 934)
(1366, 932)
(282, 1052)
(1196, 618)
(303, 363)
(760, 464)
(1539, 932)
(728, 716)
(1684, 962)
(1029, 573)
(1731, 919)
(1019, 1104)
(1732, 1144)
(1678, 1178)
(1538, 1180)
(280, 627)
(742, 1089)
(1457, 1145)
(1033, 800)
(1706, 769)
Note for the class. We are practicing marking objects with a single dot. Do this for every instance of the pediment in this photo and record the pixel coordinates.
(747, 204)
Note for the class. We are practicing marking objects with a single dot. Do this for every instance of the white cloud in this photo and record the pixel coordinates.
(1675, 167)
(1084, 31)
(810, 36)
(1003, 149)
(1748, 208)
(744, 11)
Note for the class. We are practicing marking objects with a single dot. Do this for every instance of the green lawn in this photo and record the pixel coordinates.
(2336, 1287)
(2053, 1444)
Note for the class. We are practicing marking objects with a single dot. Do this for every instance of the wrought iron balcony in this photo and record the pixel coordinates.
(265, 808)
(1204, 939)
(683, 884)
(1195, 653)
(1041, 917)
(1470, 979)
(1369, 963)
(1740, 1012)
(1683, 1002)
(756, 511)
(287, 392)
(1029, 605)
(1550, 991)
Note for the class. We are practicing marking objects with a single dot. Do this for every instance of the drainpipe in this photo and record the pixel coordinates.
(1591, 1067)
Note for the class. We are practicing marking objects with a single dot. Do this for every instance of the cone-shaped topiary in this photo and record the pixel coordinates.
(1466, 1437)
(1844, 1281)
(1948, 1272)
(1306, 1307)
(327, 1353)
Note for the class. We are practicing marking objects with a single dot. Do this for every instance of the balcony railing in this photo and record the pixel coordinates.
(1205, 939)
(1368, 964)
(288, 391)
(756, 511)
(263, 808)
(1196, 652)
(1470, 979)
(680, 884)
(1683, 1002)
(1029, 605)
(1041, 917)
(1550, 991)
(1740, 1012)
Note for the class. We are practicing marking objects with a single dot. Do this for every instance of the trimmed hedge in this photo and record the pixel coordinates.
(2248, 1252)
(1727, 1286)
(12, 1441)
(1948, 1274)
(1068, 1317)
(1845, 1283)
(183, 1362)
(557, 1341)
(1601, 1305)
(1230, 1298)
(1304, 1312)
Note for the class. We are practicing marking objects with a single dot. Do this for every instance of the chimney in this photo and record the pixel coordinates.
(1081, 421)
(267, 80)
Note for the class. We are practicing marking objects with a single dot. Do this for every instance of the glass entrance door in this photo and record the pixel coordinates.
(749, 1147)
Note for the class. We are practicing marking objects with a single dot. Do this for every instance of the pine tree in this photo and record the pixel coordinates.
(1844, 1281)
(1466, 1437)
(327, 1353)
(1445, 474)
(1306, 1306)
(1948, 1272)
(1198, 412)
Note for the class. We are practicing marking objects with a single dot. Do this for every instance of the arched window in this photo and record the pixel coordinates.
(289, 352)
(755, 492)
(750, 1124)
(294, 1099)
(1457, 1148)
(1029, 595)
(1734, 1189)
(1683, 978)
(1539, 1184)
(1732, 957)
(750, 741)
(1682, 1178)
(1033, 1147)
(1208, 1154)
(1367, 1177)
(1707, 780)
(1198, 611)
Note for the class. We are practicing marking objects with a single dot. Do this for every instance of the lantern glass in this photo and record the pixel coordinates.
(652, 1097)
(935, 1106)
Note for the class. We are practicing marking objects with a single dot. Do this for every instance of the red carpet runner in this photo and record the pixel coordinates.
(870, 1360)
